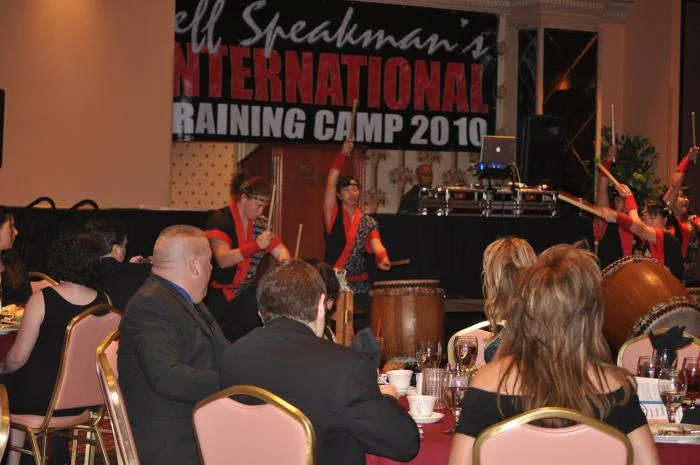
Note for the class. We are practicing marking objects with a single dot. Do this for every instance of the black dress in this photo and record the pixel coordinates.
(480, 410)
(30, 387)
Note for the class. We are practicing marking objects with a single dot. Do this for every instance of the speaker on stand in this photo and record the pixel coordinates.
(541, 158)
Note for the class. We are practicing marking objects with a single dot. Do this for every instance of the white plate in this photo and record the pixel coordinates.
(8, 328)
(658, 430)
(434, 418)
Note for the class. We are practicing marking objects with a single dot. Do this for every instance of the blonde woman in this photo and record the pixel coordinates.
(554, 355)
(503, 259)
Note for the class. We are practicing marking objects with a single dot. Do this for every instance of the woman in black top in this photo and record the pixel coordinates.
(16, 287)
(554, 355)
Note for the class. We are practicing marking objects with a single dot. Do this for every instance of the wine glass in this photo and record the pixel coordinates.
(692, 376)
(428, 354)
(646, 367)
(465, 350)
(672, 389)
(455, 386)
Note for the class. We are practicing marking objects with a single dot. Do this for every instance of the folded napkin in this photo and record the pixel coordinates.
(365, 343)
(672, 339)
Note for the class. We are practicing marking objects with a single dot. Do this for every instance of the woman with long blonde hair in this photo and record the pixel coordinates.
(503, 259)
(554, 355)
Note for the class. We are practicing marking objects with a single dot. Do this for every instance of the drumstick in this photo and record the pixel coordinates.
(612, 124)
(405, 261)
(272, 207)
(351, 134)
(296, 249)
(608, 174)
(580, 203)
(692, 129)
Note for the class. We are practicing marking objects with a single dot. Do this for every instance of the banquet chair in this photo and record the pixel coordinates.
(515, 441)
(114, 400)
(483, 335)
(4, 419)
(274, 422)
(39, 280)
(76, 386)
(631, 350)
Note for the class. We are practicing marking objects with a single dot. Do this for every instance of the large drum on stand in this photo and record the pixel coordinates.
(410, 311)
(640, 295)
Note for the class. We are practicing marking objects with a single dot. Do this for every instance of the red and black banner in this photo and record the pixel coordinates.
(289, 71)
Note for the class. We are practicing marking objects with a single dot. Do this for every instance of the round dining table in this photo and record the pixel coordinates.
(435, 447)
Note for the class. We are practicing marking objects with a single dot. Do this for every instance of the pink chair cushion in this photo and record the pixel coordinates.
(255, 426)
(35, 421)
(80, 386)
(532, 445)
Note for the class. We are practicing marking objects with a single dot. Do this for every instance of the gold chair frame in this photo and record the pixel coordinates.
(41, 276)
(469, 329)
(43, 431)
(271, 399)
(4, 419)
(129, 456)
(629, 342)
(548, 413)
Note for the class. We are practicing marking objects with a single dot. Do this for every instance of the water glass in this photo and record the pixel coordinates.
(434, 384)
(672, 389)
(646, 367)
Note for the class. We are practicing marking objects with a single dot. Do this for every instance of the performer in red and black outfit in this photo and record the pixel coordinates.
(349, 234)
(239, 241)
(689, 225)
(613, 242)
(652, 238)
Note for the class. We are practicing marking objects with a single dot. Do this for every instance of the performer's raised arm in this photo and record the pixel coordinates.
(671, 195)
(331, 192)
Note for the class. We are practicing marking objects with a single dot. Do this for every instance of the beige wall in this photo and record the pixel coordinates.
(88, 92)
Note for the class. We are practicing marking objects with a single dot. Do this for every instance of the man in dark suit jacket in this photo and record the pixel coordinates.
(334, 386)
(170, 349)
(409, 201)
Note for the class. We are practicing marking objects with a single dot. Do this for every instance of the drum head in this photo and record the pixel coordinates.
(679, 312)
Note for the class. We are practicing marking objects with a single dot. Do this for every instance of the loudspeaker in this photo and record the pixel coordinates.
(2, 120)
(541, 153)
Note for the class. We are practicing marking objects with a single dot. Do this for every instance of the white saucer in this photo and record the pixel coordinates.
(434, 418)
(409, 391)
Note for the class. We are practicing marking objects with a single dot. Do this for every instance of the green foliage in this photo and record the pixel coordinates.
(634, 165)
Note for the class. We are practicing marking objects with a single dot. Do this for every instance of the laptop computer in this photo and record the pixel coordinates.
(498, 150)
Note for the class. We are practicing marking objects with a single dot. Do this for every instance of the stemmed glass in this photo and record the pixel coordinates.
(465, 350)
(646, 367)
(455, 386)
(672, 388)
(428, 354)
(692, 376)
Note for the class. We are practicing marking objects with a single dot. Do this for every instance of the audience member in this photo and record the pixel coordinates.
(239, 240)
(553, 355)
(503, 259)
(409, 201)
(120, 279)
(170, 348)
(334, 386)
(15, 285)
(332, 288)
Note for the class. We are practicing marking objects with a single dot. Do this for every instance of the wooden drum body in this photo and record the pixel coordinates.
(410, 311)
(640, 295)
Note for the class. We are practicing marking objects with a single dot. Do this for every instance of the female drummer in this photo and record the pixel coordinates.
(348, 233)
(239, 240)
(654, 241)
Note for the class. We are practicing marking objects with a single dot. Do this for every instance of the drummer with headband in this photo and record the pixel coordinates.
(677, 200)
(652, 238)
(349, 233)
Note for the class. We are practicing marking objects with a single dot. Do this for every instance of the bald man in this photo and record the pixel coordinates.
(409, 201)
(170, 348)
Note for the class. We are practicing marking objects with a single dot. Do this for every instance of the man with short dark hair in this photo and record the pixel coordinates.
(334, 386)
(170, 348)
(409, 201)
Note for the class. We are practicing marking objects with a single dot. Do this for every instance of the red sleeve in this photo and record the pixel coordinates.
(372, 235)
(218, 234)
(659, 237)
(599, 227)
(273, 243)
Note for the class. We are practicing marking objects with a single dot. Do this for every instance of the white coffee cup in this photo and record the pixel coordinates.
(399, 378)
(421, 406)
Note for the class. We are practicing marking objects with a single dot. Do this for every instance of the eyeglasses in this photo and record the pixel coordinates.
(260, 201)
